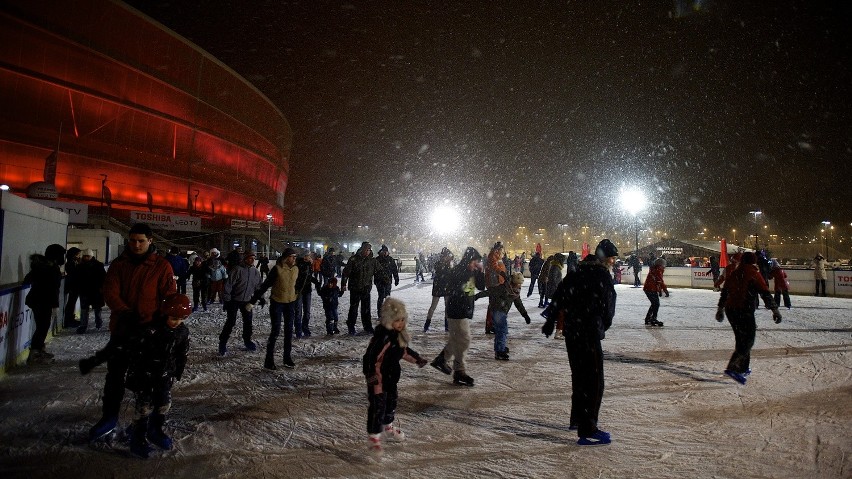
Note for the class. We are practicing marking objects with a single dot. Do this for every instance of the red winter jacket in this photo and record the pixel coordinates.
(137, 285)
(654, 282)
(779, 277)
(741, 287)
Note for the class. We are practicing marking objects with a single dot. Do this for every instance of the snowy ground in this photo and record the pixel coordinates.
(671, 412)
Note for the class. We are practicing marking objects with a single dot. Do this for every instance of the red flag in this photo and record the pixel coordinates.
(723, 259)
(538, 248)
(585, 250)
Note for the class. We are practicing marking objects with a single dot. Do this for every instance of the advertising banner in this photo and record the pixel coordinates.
(16, 325)
(166, 221)
(843, 283)
(77, 212)
(702, 278)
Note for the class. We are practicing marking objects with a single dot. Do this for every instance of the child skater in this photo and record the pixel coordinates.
(388, 345)
(500, 300)
(157, 360)
(330, 294)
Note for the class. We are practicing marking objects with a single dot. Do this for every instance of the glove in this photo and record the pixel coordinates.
(421, 362)
(720, 314)
(667, 294)
(248, 307)
(527, 319)
(776, 316)
(261, 301)
(547, 329)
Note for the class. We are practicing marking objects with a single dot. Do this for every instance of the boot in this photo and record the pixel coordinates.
(156, 434)
(462, 379)
(269, 363)
(103, 427)
(390, 433)
(87, 364)
(139, 445)
(440, 363)
(375, 445)
(426, 325)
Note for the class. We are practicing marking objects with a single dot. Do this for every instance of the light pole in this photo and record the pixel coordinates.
(562, 226)
(756, 213)
(633, 201)
(825, 225)
(735, 235)
(269, 234)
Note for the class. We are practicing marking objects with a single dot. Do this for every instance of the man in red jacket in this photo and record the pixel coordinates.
(135, 285)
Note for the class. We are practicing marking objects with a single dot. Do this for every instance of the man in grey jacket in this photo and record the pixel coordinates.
(239, 288)
(358, 278)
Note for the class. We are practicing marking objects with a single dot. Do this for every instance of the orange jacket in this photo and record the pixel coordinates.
(137, 287)
(654, 281)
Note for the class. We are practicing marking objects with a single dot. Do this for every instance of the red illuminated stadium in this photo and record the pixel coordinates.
(120, 101)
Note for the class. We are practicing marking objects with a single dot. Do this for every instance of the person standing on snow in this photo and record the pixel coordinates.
(44, 279)
(654, 288)
(439, 286)
(464, 279)
(387, 275)
(535, 269)
(738, 303)
(586, 300)
(239, 288)
(92, 275)
(387, 347)
(136, 283)
(302, 320)
(819, 265)
(358, 277)
(500, 301)
(636, 263)
(282, 306)
(781, 285)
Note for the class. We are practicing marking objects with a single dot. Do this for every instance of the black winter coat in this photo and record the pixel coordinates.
(45, 278)
(92, 274)
(383, 355)
(587, 298)
(462, 284)
(157, 352)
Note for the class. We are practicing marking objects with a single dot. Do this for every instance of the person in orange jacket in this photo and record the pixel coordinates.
(781, 286)
(654, 288)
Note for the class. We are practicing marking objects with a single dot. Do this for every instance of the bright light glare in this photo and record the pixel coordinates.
(445, 220)
(633, 200)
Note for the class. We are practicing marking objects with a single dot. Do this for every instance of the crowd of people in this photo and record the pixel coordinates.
(148, 346)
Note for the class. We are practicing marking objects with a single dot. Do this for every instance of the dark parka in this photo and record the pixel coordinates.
(387, 271)
(45, 278)
(92, 275)
(587, 299)
(359, 273)
(463, 284)
(383, 354)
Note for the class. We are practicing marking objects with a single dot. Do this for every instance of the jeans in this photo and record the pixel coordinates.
(231, 320)
(383, 291)
(85, 305)
(501, 330)
(277, 313)
(382, 407)
(786, 294)
(302, 319)
(654, 298)
(362, 298)
(330, 319)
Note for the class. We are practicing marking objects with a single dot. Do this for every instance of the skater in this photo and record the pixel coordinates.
(635, 262)
(136, 284)
(500, 300)
(780, 285)
(282, 306)
(44, 279)
(496, 276)
(737, 302)
(92, 274)
(819, 264)
(157, 360)
(386, 273)
(239, 289)
(330, 295)
(200, 283)
(302, 319)
(439, 286)
(535, 269)
(388, 345)
(216, 276)
(464, 279)
(543, 277)
(72, 287)
(654, 288)
(180, 266)
(587, 301)
(358, 276)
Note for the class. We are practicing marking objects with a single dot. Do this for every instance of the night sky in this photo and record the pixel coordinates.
(537, 113)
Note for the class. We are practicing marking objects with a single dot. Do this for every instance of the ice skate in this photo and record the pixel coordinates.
(462, 379)
(740, 378)
(375, 445)
(501, 356)
(156, 435)
(599, 438)
(391, 433)
(103, 428)
(440, 364)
